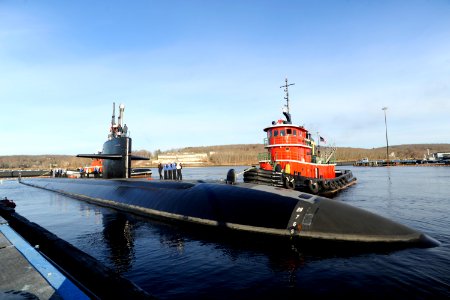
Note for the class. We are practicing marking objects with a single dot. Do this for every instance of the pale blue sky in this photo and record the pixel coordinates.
(200, 73)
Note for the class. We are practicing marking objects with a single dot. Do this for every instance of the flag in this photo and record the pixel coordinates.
(322, 140)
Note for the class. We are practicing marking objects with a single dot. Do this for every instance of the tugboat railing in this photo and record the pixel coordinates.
(264, 156)
(287, 140)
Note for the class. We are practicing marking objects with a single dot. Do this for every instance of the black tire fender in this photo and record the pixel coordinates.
(313, 187)
(325, 185)
(289, 182)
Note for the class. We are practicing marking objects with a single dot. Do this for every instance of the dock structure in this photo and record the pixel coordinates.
(26, 273)
(23, 173)
(400, 162)
(71, 273)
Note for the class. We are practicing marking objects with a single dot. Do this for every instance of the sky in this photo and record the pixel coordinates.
(203, 73)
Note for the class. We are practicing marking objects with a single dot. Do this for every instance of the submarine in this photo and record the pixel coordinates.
(231, 206)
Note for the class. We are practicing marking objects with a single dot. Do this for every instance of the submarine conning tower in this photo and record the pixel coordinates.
(116, 152)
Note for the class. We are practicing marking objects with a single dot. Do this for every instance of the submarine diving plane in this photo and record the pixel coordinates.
(234, 207)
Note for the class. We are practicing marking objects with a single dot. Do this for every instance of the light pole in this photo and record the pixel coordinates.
(387, 143)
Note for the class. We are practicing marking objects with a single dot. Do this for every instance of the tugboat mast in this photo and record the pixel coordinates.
(286, 110)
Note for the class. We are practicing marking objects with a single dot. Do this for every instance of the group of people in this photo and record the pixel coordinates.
(58, 173)
(118, 131)
(170, 171)
(97, 171)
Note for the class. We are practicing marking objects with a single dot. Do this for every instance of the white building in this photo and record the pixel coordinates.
(184, 158)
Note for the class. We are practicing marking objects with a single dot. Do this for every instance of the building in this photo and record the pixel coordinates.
(191, 159)
(436, 156)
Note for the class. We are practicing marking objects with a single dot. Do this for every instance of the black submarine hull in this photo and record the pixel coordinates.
(243, 207)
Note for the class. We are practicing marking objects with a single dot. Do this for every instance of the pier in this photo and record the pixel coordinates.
(63, 271)
(26, 273)
(400, 162)
(22, 173)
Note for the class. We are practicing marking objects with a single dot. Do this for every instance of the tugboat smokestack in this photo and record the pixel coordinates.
(288, 117)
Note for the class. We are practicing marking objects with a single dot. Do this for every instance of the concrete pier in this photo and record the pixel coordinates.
(93, 278)
(26, 274)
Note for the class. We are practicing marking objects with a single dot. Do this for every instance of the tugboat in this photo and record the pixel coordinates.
(293, 160)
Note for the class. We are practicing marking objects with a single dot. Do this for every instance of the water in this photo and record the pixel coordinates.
(173, 262)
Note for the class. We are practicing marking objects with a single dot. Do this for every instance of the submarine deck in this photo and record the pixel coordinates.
(245, 207)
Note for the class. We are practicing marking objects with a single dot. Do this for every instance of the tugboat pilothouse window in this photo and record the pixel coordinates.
(269, 133)
(282, 133)
(295, 132)
(289, 131)
(275, 133)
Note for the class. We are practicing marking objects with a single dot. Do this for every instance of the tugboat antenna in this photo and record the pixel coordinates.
(286, 90)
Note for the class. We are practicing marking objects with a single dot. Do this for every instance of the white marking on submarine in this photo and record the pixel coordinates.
(242, 207)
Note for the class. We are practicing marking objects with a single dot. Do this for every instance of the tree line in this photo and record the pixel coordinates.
(241, 154)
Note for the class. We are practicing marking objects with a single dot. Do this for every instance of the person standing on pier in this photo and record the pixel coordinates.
(174, 171)
(169, 171)
(179, 176)
(160, 169)
(166, 167)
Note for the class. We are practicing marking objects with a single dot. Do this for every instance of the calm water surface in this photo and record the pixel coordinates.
(175, 263)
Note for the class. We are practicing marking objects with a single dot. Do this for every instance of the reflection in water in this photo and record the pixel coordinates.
(173, 241)
(283, 255)
(174, 262)
(389, 188)
(89, 210)
(118, 235)
(388, 170)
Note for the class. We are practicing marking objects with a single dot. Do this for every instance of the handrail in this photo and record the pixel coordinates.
(289, 139)
(264, 156)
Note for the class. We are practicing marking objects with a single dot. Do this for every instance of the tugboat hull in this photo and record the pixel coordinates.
(327, 187)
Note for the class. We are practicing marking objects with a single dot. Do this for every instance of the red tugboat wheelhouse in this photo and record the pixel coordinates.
(293, 160)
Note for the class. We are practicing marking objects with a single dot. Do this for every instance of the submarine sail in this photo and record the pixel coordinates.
(116, 151)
